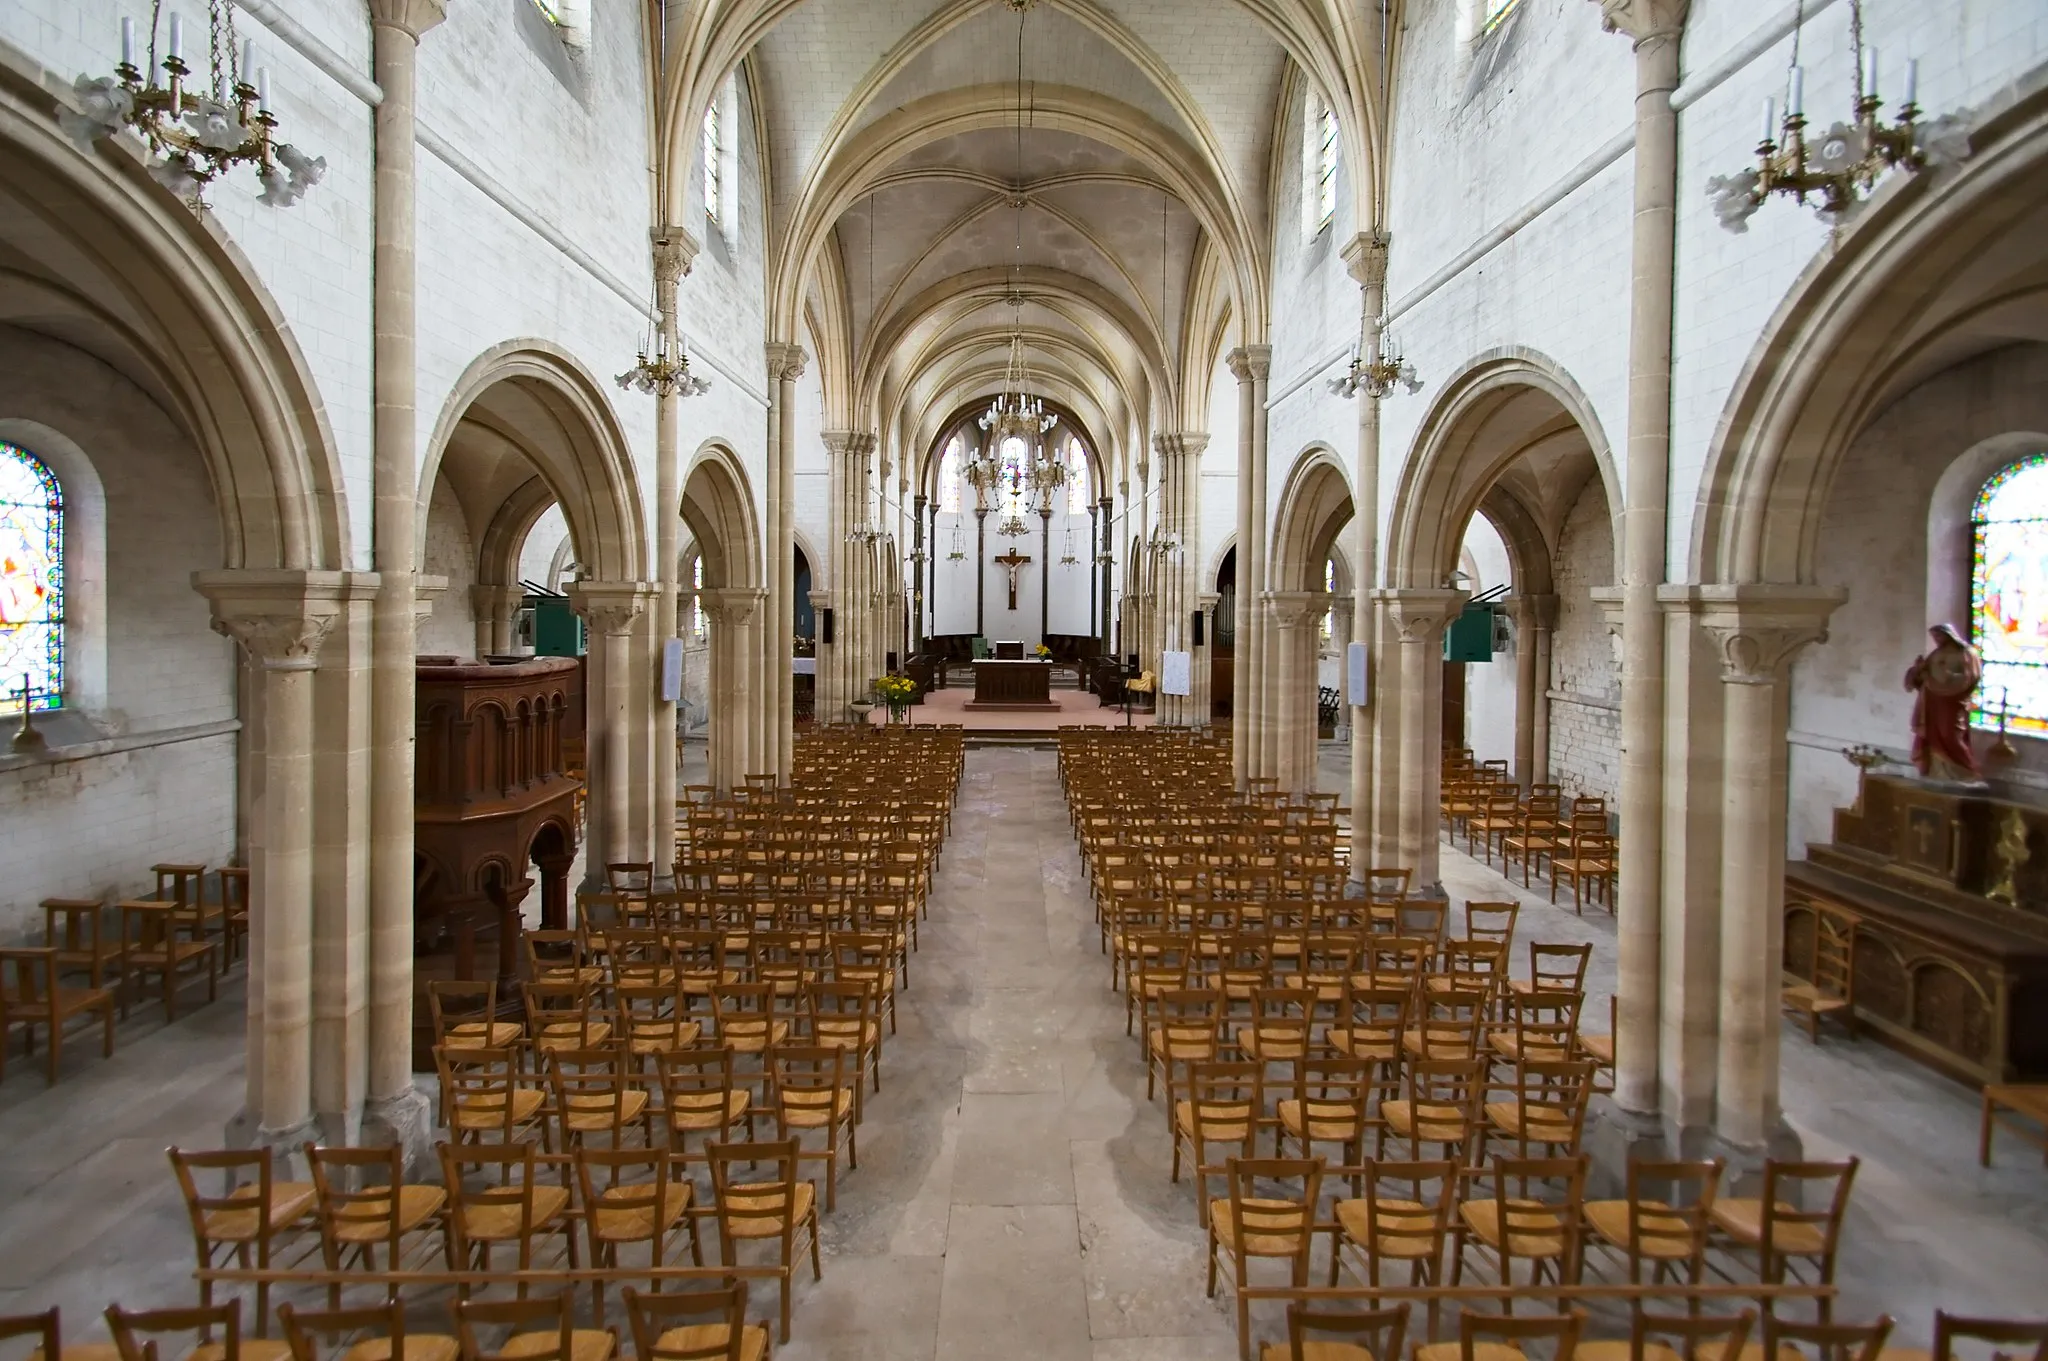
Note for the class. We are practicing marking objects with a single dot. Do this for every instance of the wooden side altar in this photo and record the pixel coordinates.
(1945, 888)
(1013, 685)
(493, 800)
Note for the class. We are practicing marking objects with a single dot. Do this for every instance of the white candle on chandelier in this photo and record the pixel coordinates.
(1912, 79)
(1770, 120)
(263, 89)
(245, 75)
(1795, 94)
(127, 41)
(1870, 73)
(177, 47)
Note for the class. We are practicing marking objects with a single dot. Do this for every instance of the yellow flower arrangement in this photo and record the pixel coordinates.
(895, 690)
(1044, 653)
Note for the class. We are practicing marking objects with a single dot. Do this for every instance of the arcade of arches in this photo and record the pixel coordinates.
(1376, 380)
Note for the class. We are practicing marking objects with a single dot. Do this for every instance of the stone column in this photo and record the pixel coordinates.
(1534, 616)
(1295, 615)
(733, 612)
(1250, 365)
(1343, 623)
(1180, 518)
(1205, 661)
(922, 547)
(836, 659)
(1758, 630)
(674, 251)
(281, 619)
(1366, 257)
(1107, 551)
(497, 614)
(396, 1112)
(1419, 617)
(1655, 27)
(786, 363)
(611, 610)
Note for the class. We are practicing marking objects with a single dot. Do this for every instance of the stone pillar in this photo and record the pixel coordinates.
(1250, 365)
(281, 619)
(497, 617)
(1419, 617)
(1534, 616)
(786, 363)
(1366, 257)
(1655, 27)
(836, 659)
(1295, 615)
(396, 1112)
(611, 610)
(674, 251)
(734, 657)
(1758, 630)
(1106, 554)
(1343, 630)
(922, 547)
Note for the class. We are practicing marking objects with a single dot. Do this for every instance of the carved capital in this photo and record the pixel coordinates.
(413, 17)
(675, 251)
(1419, 616)
(1251, 363)
(733, 606)
(786, 363)
(1759, 629)
(609, 607)
(495, 602)
(1365, 255)
(1296, 609)
(1644, 21)
(1184, 444)
(1609, 600)
(280, 618)
(1533, 611)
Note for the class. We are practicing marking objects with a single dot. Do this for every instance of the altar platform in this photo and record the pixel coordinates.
(1069, 707)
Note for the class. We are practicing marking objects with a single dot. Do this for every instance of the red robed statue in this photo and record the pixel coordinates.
(1943, 681)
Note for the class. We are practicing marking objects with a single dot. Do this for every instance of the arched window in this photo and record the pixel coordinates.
(700, 627)
(714, 161)
(1493, 12)
(1016, 463)
(949, 478)
(2009, 594)
(31, 582)
(1078, 490)
(1330, 591)
(1318, 164)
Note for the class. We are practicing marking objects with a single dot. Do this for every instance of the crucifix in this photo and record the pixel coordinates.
(1013, 564)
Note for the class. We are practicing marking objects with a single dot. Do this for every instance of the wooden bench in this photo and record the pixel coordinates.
(2029, 1100)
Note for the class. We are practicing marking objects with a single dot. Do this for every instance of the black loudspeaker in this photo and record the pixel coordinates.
(890, 665)
(1131, 666)
(1197, 635)
(825, 626)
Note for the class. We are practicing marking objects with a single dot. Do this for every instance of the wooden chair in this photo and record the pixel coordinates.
(848, 1015)
(782, 1209)
(1245, 1224)
(654, 1018)
(815, 1090)
(1395, 1221)
(357, 1215)
(1545, 1112)
(48, 1330)
(77, 929)
(1541, 1024)
(35, 1000)
(564, 1013)
(247, 1219)
(1676, 1337)
(1379, 1333)
(1441, 1107)
(234, 903)
(660, 1334)
(1998, 1332)
(1492, 922)
(539, 1329)
(1186, 1028)
(652, 1208)
(516, 1208)
(1589, 859)
(700, 1096)
(1668, 1232)
(1226, 1100)
(465, 1015)
(1555, 968)
(1777, 1226)
(1541, 833)
(169, 941)
(1499, 817)
(1811, 1341)
(388, 1339)
(1533, 1224)
(487, 1092)
(132, 1330)
(1831, 989)
(1330, 1104)
(1476, 1331)
(594, 1092)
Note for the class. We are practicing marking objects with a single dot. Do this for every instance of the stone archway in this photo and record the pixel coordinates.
(1315, 505)
(718, 508)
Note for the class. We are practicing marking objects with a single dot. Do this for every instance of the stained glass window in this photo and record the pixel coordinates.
(714, 162)
(949, 478)
(1016, 459)
(699, 623)
(31, 582)
(1077, 478)
(1319, 164)
(2009, 595)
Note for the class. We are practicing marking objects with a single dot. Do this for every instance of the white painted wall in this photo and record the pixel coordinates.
(1585, 665)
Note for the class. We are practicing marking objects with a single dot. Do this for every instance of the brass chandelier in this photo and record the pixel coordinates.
(1842, 165)
(194, 138)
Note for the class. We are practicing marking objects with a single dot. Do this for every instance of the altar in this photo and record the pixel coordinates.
(1012, 685)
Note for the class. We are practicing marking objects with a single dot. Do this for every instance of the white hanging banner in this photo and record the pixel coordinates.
(1175, 673)
(672, 671)
(1354, 668)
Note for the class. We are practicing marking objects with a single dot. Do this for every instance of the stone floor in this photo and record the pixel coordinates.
(1012, 1198)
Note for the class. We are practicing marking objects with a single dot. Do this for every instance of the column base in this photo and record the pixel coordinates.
(286, 1145)
(405, 1120)
(1744, 1175)
(1616, 1137)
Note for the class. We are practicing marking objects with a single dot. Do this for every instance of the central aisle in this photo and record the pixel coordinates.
(1012, 1199)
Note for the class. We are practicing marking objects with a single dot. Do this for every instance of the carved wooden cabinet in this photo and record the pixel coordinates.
(493, 801)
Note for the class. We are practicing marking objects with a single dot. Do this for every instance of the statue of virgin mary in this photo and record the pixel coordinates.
(1943, 681)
